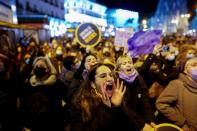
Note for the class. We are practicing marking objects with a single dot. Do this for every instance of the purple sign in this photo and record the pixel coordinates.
(143, 42)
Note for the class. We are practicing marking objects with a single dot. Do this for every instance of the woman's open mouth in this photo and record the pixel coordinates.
(109, 89)
(128, 70)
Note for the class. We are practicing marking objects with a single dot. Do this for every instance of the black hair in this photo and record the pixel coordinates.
(68, 62)
(87, 97)
(92, 74)
(78, 73)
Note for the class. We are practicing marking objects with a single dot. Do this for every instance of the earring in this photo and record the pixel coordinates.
(95, 90)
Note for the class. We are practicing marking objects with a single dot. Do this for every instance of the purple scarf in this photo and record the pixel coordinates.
(130, 78)
(85, 74)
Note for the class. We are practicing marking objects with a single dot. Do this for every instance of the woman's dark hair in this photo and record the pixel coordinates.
(86, 99)
(78, 73)
(68, 62)
(92, 73)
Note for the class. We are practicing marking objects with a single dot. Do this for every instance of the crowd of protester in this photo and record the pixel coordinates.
(62, 86)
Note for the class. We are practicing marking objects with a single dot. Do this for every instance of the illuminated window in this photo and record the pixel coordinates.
(87, 6)
(56, 3)
(52, 13)
(28, 5)
(62, 6)
(91, 7)
(35, 9)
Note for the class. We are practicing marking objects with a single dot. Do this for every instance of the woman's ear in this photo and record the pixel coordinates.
(93, 85)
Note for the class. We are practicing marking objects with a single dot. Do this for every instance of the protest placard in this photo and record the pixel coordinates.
(88, 34)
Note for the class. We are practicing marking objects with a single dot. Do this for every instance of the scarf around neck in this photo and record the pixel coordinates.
(129, 78)
(85, 74)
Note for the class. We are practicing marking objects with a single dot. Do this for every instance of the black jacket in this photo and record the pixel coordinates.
(138, 101)
(105, 118)
(162, 76)
(41, 107)
(8, 110)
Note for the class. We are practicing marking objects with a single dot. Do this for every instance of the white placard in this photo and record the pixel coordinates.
(122, 36)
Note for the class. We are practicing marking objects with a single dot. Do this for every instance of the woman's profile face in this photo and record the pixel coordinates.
(104, 81)
(190, 65)
(126, 66)
(90, 61)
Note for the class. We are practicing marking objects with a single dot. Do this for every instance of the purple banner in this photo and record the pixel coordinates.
(143, 42)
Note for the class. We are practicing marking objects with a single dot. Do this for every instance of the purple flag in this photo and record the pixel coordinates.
(143, 42)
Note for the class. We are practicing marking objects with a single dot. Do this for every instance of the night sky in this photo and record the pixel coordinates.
(146, 8)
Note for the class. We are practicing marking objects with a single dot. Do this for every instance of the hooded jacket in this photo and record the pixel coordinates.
(51, 79)
(41, 101)
(178, 102)
(137, 100)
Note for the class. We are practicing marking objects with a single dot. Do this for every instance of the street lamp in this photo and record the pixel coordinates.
(185, 15)
(174, 21)
(144, 22)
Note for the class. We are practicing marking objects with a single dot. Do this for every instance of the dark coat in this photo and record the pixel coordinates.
(8, 110)
(73, 89)
(138, 101)
(105, 119)
(41, 107)
(162, 76)
(74, 86)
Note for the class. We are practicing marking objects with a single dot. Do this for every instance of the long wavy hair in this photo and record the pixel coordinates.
(87, 99)
(78, 73)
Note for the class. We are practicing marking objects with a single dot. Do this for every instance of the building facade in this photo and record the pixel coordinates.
(193, 25)
(8, 11)
(123, 18)
(79, 11)
(53, 8)
(46, 15)
(61, 16)
(171, 16)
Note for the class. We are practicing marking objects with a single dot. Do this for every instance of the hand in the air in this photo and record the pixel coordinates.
(118, 94)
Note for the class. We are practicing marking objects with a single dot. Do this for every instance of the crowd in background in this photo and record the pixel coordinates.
(60, 85)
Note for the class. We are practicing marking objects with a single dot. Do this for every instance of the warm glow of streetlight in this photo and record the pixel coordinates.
(187, 15)
(174, 21)
(144, 22)
(145, 26)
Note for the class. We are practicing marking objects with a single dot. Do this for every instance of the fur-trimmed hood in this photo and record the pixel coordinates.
(52, 77)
